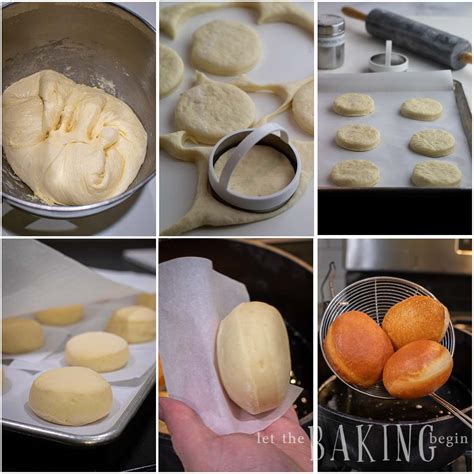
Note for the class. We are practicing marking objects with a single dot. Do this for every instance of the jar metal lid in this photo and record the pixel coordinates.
(330, 25)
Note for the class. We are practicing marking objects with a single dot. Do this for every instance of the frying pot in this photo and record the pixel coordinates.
(270, 275)
(343, 409)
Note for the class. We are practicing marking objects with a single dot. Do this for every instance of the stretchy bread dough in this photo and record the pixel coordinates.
(147, 299)
(20, 336)
(226, 48)
(72, 396)
(422, 109)
(61, 316)
(303, 107)
(357, 137)
(100, 351)
(134, 323)
(211, 110)
(206, 209)
(433, 143)
(253, 356)
(70, 143)
(355, 173)
(353, 105)
(262, 171)
(437, 174)
(171, 70)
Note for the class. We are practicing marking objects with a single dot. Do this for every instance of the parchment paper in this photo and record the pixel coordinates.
(393, 156)
(193, 300)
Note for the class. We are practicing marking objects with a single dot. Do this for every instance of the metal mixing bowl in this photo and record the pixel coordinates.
(98, 44)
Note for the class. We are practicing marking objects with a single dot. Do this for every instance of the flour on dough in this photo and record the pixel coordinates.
(358, 137)
(422, 109)
(433, 143)
(303, 107)
(436, 174)
(70, 143)
(171, 70)
(355, 173)
(225, 48)
(353, 105)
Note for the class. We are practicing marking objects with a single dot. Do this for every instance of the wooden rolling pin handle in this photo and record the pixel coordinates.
(466, 58)
(354, 13)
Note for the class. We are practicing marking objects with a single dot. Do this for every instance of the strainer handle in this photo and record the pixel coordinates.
(454, 411)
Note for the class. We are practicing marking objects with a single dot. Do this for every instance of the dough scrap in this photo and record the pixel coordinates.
(355, 173)
(422, 109)
(433, 143)
(357, 137)
(437, 174)
(70, 143)
(206, 209)
(61, 316)
(303, 107)
(210, 110)
(353, 105)
(20, 335)
(134, 323)
(171, 70)
(225, 48)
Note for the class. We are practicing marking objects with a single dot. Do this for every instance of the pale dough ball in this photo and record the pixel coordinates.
(134, 324)
(171, 70)
(226, 48)
(303, 107)
(147, 299)
(72, 396)
(98, 350)
(422, 109)
(437, 174)
(355, 173)
(433, 143)
(61, 316)
(21, 335)
(211, 110)
(358, 137)
(262, 171)
(353, 105)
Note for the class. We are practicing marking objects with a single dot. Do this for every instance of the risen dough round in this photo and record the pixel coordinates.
(355, 173)
(72, 396)
(353, 105)
(437, 174)
(171, 70)
(61, 316)
(433, 143)
(21, 335)
(303, 107)
(226, 48)
(147, 299)
(358, 137)
(262, 171)
(211, 110)
(98, 350)
(422, 109)
(134, 323)
(70, 143)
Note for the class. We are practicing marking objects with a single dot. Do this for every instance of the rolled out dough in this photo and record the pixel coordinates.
(355, 173)
(358, 137)
(303, 107)
(422, 109)
(171, 70)
(433, 143)
(436, 174)
(353, 105)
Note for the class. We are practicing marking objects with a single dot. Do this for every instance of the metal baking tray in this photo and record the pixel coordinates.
(88, 440)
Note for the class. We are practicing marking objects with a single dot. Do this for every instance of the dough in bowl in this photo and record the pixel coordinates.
(303, 107)
(134, 323)
(436, 174)
(20, 336)
(70, 143)
(422, 109)
(433, 143)
(353, 105)
(225, 48)
(358, 137)
(355, 173)
(171, 70)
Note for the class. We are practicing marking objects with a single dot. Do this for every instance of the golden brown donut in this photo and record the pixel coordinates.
(417, 369)
(415, 318)
(357, 348)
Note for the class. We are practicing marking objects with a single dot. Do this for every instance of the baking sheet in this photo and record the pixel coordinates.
(393, 156)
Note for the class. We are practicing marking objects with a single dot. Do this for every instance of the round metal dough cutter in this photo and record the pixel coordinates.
(243, 141)
(388, 61)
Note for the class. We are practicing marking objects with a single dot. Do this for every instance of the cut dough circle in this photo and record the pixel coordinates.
(226, 48)
(211, 110)
(98, 350)
(433, 143)
(357, 137)
(437, 174)
(71, 396)
(422, 109)
(355, 173)
(147, 299)
(20, 336)
(353, 105)
(303, 107)
(61, 316)
(133, 323)
(171, 70)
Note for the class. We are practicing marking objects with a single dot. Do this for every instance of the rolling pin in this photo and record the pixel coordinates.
(444, 48)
